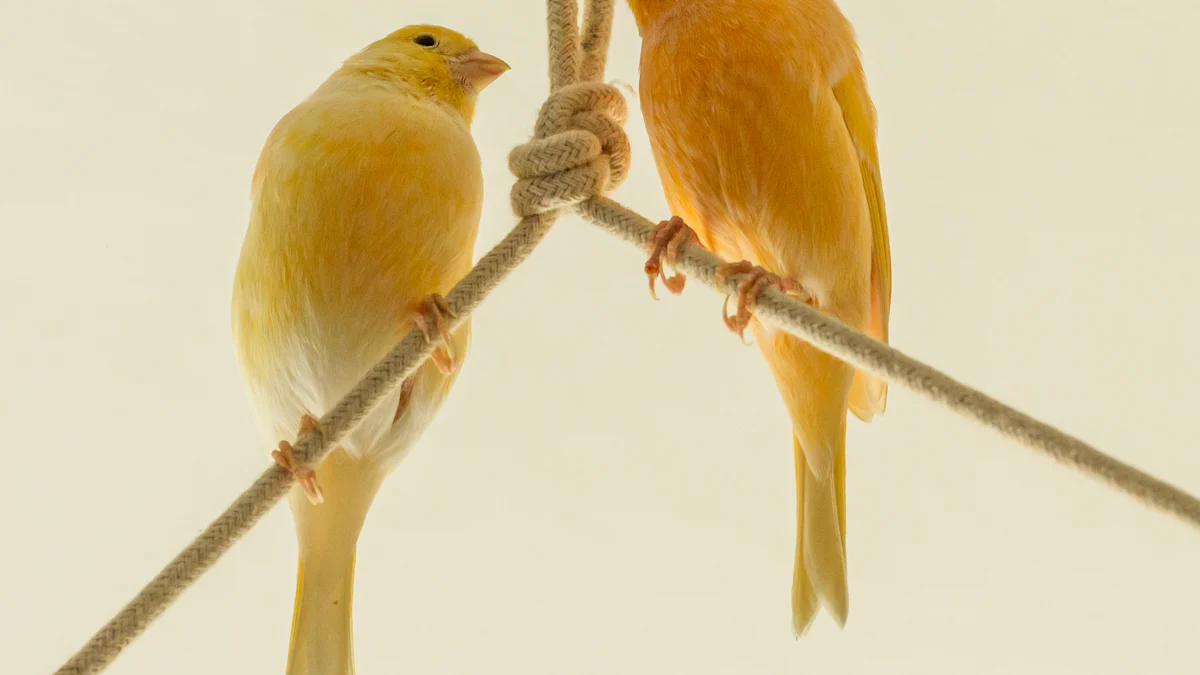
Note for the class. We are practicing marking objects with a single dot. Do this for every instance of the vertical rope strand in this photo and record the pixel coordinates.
(562, 18)
(588, 166)
(597, 31)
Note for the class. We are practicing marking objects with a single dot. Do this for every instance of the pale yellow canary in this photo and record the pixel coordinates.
(764, 138)
(365, 205)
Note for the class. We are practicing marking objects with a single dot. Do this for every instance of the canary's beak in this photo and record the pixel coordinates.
(478, 69)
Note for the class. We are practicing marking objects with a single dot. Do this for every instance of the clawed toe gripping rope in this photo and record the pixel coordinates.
(579, 153)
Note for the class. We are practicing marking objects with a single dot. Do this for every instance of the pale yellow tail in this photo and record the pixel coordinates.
(322, 641)
(819, 577)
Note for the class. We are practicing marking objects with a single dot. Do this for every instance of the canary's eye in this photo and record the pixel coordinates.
(425, 40)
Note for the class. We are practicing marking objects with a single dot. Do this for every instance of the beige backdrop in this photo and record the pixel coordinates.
(609, 489)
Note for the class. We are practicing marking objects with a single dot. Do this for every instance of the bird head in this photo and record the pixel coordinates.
(433, 61)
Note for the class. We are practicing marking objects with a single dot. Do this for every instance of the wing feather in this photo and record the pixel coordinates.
(868, 395)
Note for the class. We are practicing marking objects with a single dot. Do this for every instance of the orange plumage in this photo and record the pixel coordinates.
(764, 137)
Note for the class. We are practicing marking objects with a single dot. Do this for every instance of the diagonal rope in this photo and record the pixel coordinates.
(413, 349)
(578, 153)
(838, 339)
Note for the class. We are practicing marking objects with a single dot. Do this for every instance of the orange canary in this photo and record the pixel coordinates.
(764, 138)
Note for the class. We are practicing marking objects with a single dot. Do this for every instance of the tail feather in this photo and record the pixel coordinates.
(819, 577)
(322, 640)
(868, 396)
(815, 387)
(805, 604)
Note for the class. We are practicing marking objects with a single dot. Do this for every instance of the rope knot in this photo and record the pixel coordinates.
(579, 150)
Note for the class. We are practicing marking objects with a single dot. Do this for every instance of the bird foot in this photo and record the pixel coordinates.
(750, 286)
(430, 318)
(665, 240)
(285, 457)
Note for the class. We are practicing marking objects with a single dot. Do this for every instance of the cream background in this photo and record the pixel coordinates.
(609, 488)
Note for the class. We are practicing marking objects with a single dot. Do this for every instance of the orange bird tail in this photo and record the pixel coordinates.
(815, 388)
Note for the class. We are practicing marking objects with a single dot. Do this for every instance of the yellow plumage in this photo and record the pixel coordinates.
(763, 133)
(366, 199)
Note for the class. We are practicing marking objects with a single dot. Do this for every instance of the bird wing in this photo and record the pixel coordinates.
(868, 395)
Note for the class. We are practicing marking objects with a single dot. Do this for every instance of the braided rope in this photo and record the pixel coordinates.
(559, 113)
(838, 339)
(578, 153)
